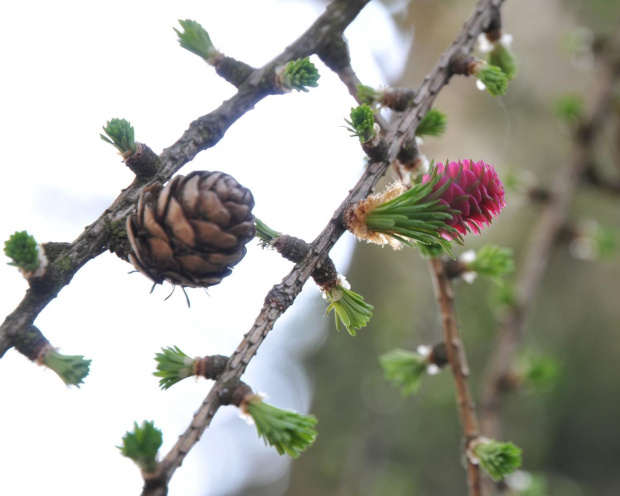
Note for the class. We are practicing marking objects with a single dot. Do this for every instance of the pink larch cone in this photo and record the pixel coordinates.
(475, 194)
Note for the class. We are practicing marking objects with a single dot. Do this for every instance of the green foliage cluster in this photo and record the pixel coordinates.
(72, 369)
(288, 432)
(416, 216)
(142, 445)
(362, 123)
(404, 369)
(367, 94)
(349, 308)
(498, 459)
(264, 233)
(493, 262)
(173, 366)
(569, 107)
(493, 78)
(195, 39)
(503, 58)
(120, 134)
(433, 123)
(300, 74)
(21, 248)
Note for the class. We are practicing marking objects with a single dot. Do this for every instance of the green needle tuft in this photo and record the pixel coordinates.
(120, 134)
(432, 124)
(362, 123)
(173, 366)
(72, 369)
(142, 445)
(405, 369)
(349, 308)
(288, 432)
(22, 249)
(195, 39)
(497, 459)
(299, 75)
(493, 78)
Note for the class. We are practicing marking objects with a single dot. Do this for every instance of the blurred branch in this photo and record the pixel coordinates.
(545, 236)
(594, 178)
(458, 363)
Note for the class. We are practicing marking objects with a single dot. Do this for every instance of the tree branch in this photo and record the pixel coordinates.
(202, 134)
(282, 295)
(458, 363)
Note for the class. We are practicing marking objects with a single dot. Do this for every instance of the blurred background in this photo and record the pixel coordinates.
(70, 67)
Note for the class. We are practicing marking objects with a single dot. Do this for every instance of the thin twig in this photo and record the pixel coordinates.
(458, 364)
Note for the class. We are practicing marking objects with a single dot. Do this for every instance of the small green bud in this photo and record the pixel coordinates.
(142, 445)
(606, 241)
(196, 39)
(504, 296)
(173, 366)
(362, 123)
(23, 250)
(406, 369)
(432, 124)
(491, 261)
(288, 432)
(72, 369)
(264, 233)
(502, 57)
(570, 108)
(299, 75)
(497, 459)
(367, 94)
(538, 371)
(120, 134)
(349, 308)
(493, 78)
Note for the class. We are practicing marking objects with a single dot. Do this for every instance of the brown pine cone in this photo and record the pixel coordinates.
(192, 231)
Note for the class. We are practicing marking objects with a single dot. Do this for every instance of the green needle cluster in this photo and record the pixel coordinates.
(299, 75)
(539, 371)
(120, 134)
(21, 248)
(72, 369)
(417, 215)
(432, 124)
(349, 308)
(493, 262)
(288, 432)
(195, 39)
(503, 58)
(142, 445)
(367, 94)
(264, 233)
(404, 369)
(173, 366)
(570, 108)
(493, 78)
(497, 459)
(362, 123)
